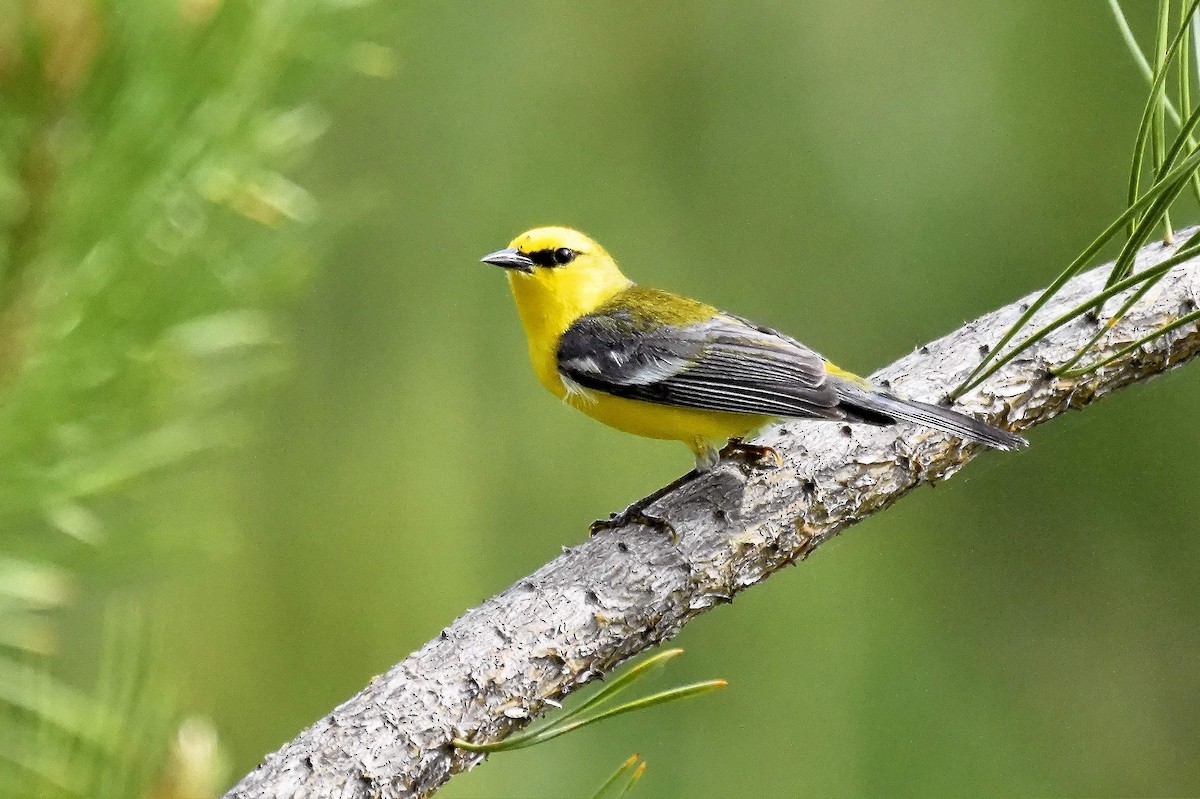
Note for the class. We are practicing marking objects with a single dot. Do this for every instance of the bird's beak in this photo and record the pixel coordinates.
(510, 258)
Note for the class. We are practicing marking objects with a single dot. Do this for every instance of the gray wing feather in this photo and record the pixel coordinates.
(721, 364)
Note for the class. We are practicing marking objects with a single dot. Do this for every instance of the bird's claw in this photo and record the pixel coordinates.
(632, 515)
(756, 455)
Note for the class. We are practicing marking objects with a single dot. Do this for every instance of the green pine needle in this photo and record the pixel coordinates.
(134, 329)
(1156, 272)
(1171, 183)
(1182, 321)
(1154, 103)
(1175, 168)
(630, 763)
(591, 711)
(634, 778)
(1157, 125)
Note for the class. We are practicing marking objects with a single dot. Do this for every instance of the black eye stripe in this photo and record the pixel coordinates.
(552, 257)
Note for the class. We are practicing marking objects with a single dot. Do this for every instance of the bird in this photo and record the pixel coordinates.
(657, 364)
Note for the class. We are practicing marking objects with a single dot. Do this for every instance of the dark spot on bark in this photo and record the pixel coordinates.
(622, 546)
(984, 349)
(808, 487)
(1189, 305)
(1024, 307)
(591, 596)
(885, 383)
(847, 431)
(1091, 317)
(527, 585)
(924, 350)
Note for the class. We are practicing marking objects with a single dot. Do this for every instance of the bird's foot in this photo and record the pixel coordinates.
(634, 514)
(755, 455)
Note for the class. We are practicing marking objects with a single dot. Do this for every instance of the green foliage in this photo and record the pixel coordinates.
(846, 171)
(599, 706)
(149, 228)
(106, 741)
(1173, 170)
(614, 786)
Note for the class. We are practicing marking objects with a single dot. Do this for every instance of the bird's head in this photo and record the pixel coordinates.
(557, 266)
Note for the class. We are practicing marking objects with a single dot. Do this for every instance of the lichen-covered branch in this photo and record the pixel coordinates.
(626, 590)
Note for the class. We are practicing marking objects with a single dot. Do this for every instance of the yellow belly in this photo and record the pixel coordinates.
(699, 429)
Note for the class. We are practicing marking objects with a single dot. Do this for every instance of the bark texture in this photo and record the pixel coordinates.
(626, 590)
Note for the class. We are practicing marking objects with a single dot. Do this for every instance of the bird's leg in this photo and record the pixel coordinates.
(757, 455)
(636, 513)
(707, 457)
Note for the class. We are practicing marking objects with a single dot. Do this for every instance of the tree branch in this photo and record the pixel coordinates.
(626, 590)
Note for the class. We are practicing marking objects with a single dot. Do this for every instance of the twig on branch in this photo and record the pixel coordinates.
(626, 590)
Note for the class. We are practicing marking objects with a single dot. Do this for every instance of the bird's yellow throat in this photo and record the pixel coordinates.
(549, 300)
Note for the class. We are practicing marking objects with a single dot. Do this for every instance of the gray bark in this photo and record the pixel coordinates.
(626, 590)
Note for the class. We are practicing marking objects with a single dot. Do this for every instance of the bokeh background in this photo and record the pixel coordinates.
(864, 175)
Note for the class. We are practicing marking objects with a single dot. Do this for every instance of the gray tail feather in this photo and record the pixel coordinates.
(934, 416)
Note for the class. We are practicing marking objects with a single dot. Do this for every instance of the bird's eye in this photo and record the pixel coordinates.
(563, 255)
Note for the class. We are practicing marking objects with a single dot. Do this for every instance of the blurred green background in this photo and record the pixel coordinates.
(864, 175)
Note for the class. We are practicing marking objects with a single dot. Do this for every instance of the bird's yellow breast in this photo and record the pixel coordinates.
(549, 300)
(547, 309)
(699, 429)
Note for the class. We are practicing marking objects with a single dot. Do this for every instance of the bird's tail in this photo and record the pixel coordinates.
(935, 416)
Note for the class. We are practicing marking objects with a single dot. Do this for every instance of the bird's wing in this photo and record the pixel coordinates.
(723, 363)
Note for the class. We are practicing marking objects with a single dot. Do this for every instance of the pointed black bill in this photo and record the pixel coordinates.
(509, 258)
